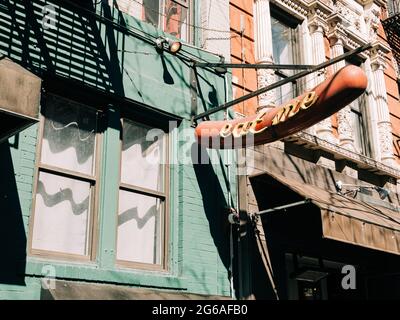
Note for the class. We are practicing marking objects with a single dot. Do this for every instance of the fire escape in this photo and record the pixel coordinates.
(392, 29)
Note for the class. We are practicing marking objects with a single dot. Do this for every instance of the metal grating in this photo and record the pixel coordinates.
(392, 30)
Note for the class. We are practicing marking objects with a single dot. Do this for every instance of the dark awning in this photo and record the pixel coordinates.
(19, 98)
(350, 220)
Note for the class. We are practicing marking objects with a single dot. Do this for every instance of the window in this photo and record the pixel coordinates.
(358, 125)
(141, 230)
(285, 51)
(64, 211)
(172, 16)
(63, 216)
(357, 108)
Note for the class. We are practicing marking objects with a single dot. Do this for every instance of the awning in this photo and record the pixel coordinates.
(350, 220)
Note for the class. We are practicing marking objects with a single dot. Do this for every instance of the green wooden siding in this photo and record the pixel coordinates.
(96, 53)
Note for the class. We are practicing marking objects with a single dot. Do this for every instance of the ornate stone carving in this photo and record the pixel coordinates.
(296, 6)
(318, 12)
(386, 142)
(266, 77)
(345, 130)
(378, 54)
(349, 15)
(371, 18)
(396, 67)
(337, 29)
(377, 57)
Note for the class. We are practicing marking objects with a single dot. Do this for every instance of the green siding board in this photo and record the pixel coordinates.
(82, 52)
(109, 184)
(115, 275)
(24, 186)
(31, 291)
(26, 171)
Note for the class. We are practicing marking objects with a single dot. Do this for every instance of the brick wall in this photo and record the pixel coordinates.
(243, 51)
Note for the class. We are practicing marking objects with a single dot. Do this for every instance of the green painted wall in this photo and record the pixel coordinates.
(108, 58)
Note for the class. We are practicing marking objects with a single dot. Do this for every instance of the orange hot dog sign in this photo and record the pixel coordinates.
(272, 124)
(284, 113)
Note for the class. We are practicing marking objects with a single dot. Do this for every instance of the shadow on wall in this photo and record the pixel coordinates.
(81, 48)
(12, 232)
(84, 54)
(214, 202)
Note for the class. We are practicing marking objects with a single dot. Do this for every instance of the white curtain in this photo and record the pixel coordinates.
(139, 234)
(142, 156)
(62, 215)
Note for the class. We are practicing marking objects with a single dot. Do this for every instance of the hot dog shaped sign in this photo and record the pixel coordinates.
(271, 124)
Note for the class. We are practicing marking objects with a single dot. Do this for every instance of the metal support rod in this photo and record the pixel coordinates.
(254, 66)
(284, 81)
(294, 204)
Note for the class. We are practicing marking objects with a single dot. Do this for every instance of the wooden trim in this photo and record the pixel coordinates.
(35, 183)
(140, 265)
(167, 216)
(143, 191)
(67, 173)
(55, 255)
(95, 217)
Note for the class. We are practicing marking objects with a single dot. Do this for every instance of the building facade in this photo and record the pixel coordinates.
(103, 196)
(325, 200)
(106, 195)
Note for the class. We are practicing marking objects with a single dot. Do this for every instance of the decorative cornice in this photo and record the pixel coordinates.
(337, 27)
(354, 40)
(361, 161)
(380, 3)
(350, 12)
(378, 54)
(318, 14)
(296, 7)
(372, 21)
(320, 9)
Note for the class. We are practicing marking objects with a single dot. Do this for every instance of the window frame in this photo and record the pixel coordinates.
(294, 25)
(162, 195)
(188, 4)
(360, 111)
(94, 180)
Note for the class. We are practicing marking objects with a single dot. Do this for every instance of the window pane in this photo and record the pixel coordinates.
(176, 19)
(171, 16)
(69, 136)
(282, 42)
(142, 156)
(139, 232)
(357, 124)
(283, 50)
(151, 9)
(131, 7)
(61, 215)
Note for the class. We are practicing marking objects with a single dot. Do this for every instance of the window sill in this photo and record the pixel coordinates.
(338, 153)
(92, 272)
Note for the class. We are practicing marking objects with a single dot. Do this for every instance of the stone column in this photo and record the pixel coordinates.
(383, 115)
(345, 129)
(316, 27)
(263, 45)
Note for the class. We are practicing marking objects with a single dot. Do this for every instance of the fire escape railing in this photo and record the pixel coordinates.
(392, 28)
(393, 7)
